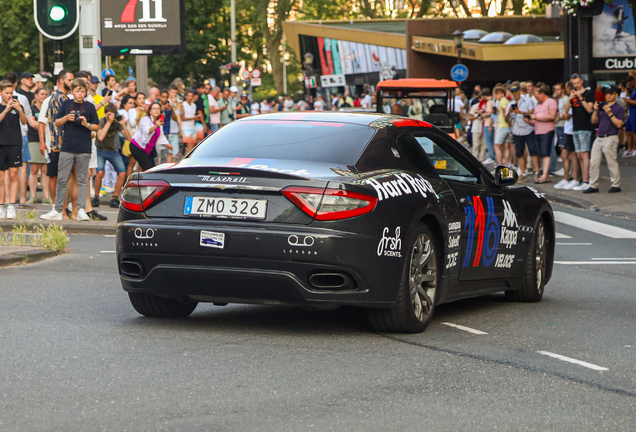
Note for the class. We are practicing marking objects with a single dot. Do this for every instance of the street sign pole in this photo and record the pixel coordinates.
(90, 53)
(58, 57)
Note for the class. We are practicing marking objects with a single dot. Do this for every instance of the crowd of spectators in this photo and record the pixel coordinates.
(75, 140)
(528, 126)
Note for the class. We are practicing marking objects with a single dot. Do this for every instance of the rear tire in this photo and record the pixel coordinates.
(417, 291)
(158, 307)
(536, 268)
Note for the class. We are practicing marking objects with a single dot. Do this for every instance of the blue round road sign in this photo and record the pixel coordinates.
(459, 72)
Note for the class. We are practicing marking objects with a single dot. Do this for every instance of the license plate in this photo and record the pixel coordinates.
(440, 164)
(231, 208)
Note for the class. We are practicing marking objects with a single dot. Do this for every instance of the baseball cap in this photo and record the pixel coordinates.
(37, 78)
(234, 89)
(244, 95)
(26, 75)
(94, 80)
(613, 89)
(514, 88)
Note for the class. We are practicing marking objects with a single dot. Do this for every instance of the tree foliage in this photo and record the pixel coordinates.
(20, 47)
(259, 35)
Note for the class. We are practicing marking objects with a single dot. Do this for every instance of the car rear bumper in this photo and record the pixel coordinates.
(272, 264)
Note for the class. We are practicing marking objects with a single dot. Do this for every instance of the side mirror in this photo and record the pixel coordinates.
(505, 176)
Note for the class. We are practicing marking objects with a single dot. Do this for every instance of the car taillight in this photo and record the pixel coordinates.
(330, 204)
(139, 195)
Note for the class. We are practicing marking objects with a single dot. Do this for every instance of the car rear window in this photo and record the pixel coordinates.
(340, 143)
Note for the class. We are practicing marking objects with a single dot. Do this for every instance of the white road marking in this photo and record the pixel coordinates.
(559, 235)
(615, 259)
(110, 235)
(468, 329)
(593, 226)
(594, 262)
(107, 252)
(575, 361)
(574, 244)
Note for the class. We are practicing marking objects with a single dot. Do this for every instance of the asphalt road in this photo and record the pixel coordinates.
(76, 356)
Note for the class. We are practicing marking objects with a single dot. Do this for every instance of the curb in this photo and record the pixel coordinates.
(71, 229)
(573, 202)
(27, 256)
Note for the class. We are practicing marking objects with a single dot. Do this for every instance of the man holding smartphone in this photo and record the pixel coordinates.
(12, 118)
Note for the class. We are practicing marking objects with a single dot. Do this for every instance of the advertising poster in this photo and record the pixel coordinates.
(614, 43)
(143, 27)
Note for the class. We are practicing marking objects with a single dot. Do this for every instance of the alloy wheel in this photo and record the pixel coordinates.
(423, 277)
(540, 255)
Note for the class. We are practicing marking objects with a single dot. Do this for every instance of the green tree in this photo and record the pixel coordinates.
(20, 49)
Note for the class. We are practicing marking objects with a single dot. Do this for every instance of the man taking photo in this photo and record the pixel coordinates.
(107, 143)
(609, 116)
(78, 118)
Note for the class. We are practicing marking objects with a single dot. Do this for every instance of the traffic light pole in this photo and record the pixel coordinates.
(59, 56)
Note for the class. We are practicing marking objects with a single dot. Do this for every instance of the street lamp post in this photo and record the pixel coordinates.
(458, 37)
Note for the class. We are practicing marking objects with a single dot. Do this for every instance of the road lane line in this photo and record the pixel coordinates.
(574, 244)
(110, 235)
(615, 259)
(593, 226)
(468, 329)
(575, 361)
(559, 235)
(107, 252)
(594, 262)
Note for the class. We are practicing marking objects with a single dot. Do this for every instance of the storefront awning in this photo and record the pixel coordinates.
(489, 52)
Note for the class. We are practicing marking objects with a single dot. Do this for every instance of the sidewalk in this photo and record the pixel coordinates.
(621, 204)
(72, 227)
(10, 255)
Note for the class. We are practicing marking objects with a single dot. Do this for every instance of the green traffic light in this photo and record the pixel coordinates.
(58, 13)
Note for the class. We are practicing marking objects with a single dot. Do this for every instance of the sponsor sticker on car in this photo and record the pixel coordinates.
(212, 239)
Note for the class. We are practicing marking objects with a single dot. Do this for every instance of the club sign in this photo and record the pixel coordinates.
(143, 27)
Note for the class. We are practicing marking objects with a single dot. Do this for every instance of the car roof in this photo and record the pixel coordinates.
(416, 84)
(366, 119)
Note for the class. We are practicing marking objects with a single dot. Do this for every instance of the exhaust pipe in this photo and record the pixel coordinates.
(331, 281)
(131, 268)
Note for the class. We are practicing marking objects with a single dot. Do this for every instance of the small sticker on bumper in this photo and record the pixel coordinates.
(212, 239)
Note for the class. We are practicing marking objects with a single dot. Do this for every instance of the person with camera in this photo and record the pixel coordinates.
(609, 115)
(581, 100)
(150, 134)
(79, 119)
(109, 128)
(12, 117)
(518, 114)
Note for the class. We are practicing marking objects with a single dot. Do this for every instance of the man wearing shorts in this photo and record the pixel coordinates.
(582, 102)
(570, 162)
(12, 118)
(519, 111)
(25, 102)
(188, 126)
(502, 132)
(106, 143)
